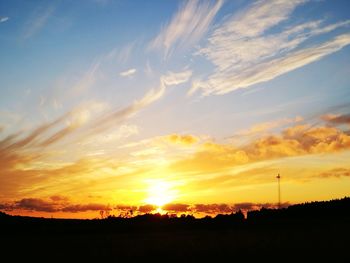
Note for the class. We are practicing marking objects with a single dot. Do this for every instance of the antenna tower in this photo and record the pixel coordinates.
(279, 190)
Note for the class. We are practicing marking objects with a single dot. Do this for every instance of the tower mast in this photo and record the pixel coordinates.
(279, 190)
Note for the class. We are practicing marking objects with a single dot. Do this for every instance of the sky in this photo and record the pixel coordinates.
(172, 106)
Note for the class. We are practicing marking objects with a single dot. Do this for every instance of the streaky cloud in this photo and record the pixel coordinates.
(187, 26)
(116, 117)
(38, 21)
(244, 51)
(4, 19)
(128, 73)
(336, 172)
(37, 133)
(86, 81)
(224, 82)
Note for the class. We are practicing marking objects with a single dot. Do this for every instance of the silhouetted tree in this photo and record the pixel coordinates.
(102, 213)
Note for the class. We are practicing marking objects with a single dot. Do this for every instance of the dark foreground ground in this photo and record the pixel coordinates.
(315, 232)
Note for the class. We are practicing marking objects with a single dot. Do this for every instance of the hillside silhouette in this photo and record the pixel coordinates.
(316, 231)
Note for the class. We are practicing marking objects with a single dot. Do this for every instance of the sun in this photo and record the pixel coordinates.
(160, 193)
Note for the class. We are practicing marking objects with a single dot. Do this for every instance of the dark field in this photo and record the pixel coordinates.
(311, 232)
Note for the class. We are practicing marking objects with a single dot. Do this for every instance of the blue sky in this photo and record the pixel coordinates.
(114, 78)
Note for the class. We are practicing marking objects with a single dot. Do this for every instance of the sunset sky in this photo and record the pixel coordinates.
(172, 106)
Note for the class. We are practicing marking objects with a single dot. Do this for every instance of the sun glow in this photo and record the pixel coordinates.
(160, 193)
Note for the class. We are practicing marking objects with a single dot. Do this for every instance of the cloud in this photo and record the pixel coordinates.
(300, 140)
(223, 208)
(62, 205)
(187, 26)
(59, 135)
(245, 51)
(101, 140)
(36, 204)
(121, 54)
(185, 140)
(212, 208)
(336, 172)
(10, 144)
(76, 118)
(68, 123)
(55, 204)
(245, 30)
(38, 21)
(259, 17)
(4, 19)
(337, 119)
(146, 208)
(52, 132)
(85, 207)
(247, 206)
(59, 198)
(126, 208)
(148, 70)
(6, 207)
(294, 141)
(24, 155)
(267, 126)
(86, 81)
(176, 208)
(224, 82)
(128, 73)
(115, 117)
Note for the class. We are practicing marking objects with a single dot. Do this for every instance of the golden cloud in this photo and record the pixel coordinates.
(185, 140)
(267, 126)
(294, 141)
(336, 172)
(337, 118)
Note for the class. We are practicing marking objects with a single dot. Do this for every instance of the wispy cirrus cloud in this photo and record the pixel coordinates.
(20, 145)
(23, 148)
(4, 19)
(128, 73)
(37, 21)
(86, 81)
(244, 50)
(187, 26)
(122, 54)
(115, 117)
